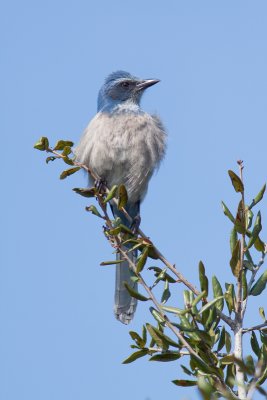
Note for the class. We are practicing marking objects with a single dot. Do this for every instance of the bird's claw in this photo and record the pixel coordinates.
(135, 224)
(100, 185)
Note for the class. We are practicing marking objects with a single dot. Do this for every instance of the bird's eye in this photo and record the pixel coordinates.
(125, 85)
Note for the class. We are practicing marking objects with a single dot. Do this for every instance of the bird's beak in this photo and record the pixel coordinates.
(142, 85)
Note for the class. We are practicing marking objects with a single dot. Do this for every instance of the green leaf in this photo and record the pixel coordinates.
(201, 296)
(186, 295)
(158, 271)
(184, 382)
(138, 340)
(256, 230)
(248, 255)
(155, 336)
(68, 160)
(187, 371)
(135, 356)
(263, 337)
(141, 261)
(258, 197)
(104, 263)
(48, 159)
(262, 313)
(228, 359)
(165, 357)
(134, 293)
(42, 144)
(199, 363)
(249, 218)
(174, 310)
(166, 293)
(240, 220)
(66, 151)
(157, 315)
(144, 334)
(111, 194)
(217, 292)
(69, 172)
(230, 297)
(166, 341)
(236, 182)
(85, 192)
(235, 259)
(221, 340)
(244, 285)
(94, 211)
(123, 197)
(210, 304)
(259, 285)
(248, 265)
(233, 239)
(204, 283)
(259, 245)
(228, 342)
(187, 327)
(255, 344)
(228, 213)
(63, 143)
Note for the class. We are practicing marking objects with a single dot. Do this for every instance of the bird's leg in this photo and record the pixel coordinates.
(136, 223)
(136, 220)
(100, 185)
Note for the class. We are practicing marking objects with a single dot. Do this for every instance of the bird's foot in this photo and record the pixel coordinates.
(100, 185)
(135, 224)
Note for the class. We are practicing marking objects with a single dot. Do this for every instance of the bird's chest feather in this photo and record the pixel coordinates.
(123, 148)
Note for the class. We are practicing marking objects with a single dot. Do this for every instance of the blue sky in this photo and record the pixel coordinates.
(59, 339)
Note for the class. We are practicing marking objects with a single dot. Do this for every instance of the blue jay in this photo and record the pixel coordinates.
(123, 145)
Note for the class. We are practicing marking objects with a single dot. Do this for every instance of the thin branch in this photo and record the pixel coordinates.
(259, 327)
(238, 345)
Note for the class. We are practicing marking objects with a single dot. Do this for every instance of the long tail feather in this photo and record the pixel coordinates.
(125, 305)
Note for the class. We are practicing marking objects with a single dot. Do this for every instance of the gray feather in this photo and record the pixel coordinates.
(123, 145)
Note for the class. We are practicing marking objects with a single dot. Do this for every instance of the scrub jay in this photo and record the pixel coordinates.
(123, 145)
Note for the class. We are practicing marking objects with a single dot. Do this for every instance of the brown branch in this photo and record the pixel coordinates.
(259, 327)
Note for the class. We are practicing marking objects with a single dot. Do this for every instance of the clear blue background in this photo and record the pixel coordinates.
(58, 336)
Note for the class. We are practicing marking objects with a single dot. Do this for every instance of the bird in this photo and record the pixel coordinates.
(123, 144)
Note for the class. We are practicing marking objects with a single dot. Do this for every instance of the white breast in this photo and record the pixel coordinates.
(123, 148)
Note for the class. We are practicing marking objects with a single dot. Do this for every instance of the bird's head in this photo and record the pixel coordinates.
(121, 87)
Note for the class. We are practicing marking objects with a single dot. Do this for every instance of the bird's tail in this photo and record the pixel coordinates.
(125, 305)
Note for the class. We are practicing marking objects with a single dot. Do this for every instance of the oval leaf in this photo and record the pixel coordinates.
(256, 230)
(63, 143)
(135, 356)
(258, 197)
(69, 172)
(228, 213)
(210, 304)
(236, 182)
(134, 293)
(259, 285)
(165, 357)
(217, 292)
(184, 382)
(123, 197)
(85, 192)
(141, 261)
(42, 144)
(111, 194)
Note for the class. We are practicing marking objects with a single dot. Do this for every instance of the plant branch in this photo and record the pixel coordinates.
(259, 327)
(238, 344)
